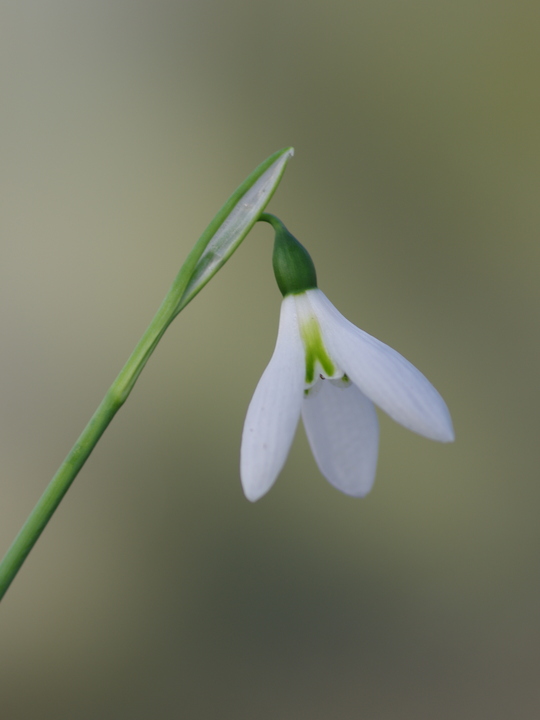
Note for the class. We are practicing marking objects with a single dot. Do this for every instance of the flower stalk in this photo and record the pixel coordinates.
(215, 246)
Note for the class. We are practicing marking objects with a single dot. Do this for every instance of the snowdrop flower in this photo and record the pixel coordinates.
(332, 373)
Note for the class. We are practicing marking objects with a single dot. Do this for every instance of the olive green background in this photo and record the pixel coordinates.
(158, 590)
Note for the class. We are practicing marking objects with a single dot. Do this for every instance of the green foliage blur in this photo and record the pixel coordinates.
(158, 591)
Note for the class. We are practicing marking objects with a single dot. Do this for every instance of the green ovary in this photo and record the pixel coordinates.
(315, 351)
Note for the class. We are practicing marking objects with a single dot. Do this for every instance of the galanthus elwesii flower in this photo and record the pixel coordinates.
(332, 373)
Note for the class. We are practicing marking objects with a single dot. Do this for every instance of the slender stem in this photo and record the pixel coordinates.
(274, 221)
(217, 243)
(111, 403)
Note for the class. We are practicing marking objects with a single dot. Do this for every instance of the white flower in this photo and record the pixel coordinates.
(331, 372)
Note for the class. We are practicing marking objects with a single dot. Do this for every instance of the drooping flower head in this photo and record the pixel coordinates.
(332, 373)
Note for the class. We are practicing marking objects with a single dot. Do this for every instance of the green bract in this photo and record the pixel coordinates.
(293, 266)
(231, 225)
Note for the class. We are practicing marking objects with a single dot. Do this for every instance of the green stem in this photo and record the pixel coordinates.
(111, 403)
(217, 243)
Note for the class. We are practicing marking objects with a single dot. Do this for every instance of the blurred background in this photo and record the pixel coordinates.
(158, 590)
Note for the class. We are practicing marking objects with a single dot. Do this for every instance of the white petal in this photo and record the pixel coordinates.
(382, 374)
(274, 410)
(343, 431)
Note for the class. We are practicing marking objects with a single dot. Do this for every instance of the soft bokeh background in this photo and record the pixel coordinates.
(158, 591)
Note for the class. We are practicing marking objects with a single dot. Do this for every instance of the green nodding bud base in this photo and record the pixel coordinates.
(293, 266)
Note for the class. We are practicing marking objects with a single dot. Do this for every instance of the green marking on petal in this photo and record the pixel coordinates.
(315, 350)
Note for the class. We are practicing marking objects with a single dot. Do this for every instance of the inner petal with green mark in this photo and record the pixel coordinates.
(317, 358)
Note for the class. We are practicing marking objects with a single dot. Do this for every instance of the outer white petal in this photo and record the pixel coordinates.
(382, 374)
(343, 431)
(274, 410)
